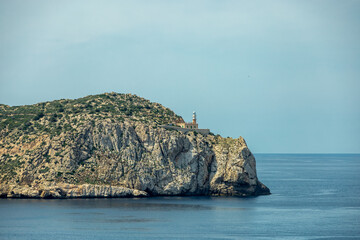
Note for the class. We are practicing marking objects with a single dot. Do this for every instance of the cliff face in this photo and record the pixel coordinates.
(107, 158)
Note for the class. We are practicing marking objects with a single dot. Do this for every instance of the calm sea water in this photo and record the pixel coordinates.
(313, 197)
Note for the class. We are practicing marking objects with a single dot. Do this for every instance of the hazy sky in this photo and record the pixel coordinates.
(285, 75)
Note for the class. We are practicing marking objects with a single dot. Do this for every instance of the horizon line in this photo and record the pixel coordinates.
(310, 153)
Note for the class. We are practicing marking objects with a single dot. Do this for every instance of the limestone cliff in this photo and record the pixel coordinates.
(90, 152)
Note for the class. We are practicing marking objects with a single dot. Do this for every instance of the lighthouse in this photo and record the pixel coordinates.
(192, 125)
(194, 118)
(185, 127)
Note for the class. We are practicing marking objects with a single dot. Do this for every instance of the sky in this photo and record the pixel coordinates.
(285, 75)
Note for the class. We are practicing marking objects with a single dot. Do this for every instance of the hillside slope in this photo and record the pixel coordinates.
(112, 145)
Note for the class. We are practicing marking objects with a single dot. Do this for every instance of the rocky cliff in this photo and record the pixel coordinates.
(112, 145)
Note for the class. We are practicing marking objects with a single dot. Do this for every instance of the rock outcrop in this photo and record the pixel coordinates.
(104, 157)
(63, 190)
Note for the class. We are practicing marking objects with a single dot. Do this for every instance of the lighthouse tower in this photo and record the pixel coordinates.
(191, 125)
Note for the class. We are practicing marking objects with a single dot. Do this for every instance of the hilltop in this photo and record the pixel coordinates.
(112, 145)
(66, 115)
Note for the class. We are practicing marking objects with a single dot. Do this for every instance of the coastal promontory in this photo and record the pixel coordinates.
(115, 145)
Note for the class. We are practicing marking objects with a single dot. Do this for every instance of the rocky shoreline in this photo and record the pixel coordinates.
(68, 191)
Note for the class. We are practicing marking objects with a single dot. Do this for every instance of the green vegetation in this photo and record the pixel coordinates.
(47, 158)
(8, 166)
(65, 115)
(44, 170)
(26, 130)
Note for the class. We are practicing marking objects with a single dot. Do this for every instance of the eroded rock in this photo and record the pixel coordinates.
(127, 159)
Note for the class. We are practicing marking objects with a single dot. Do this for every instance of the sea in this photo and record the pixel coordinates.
(314, 196)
